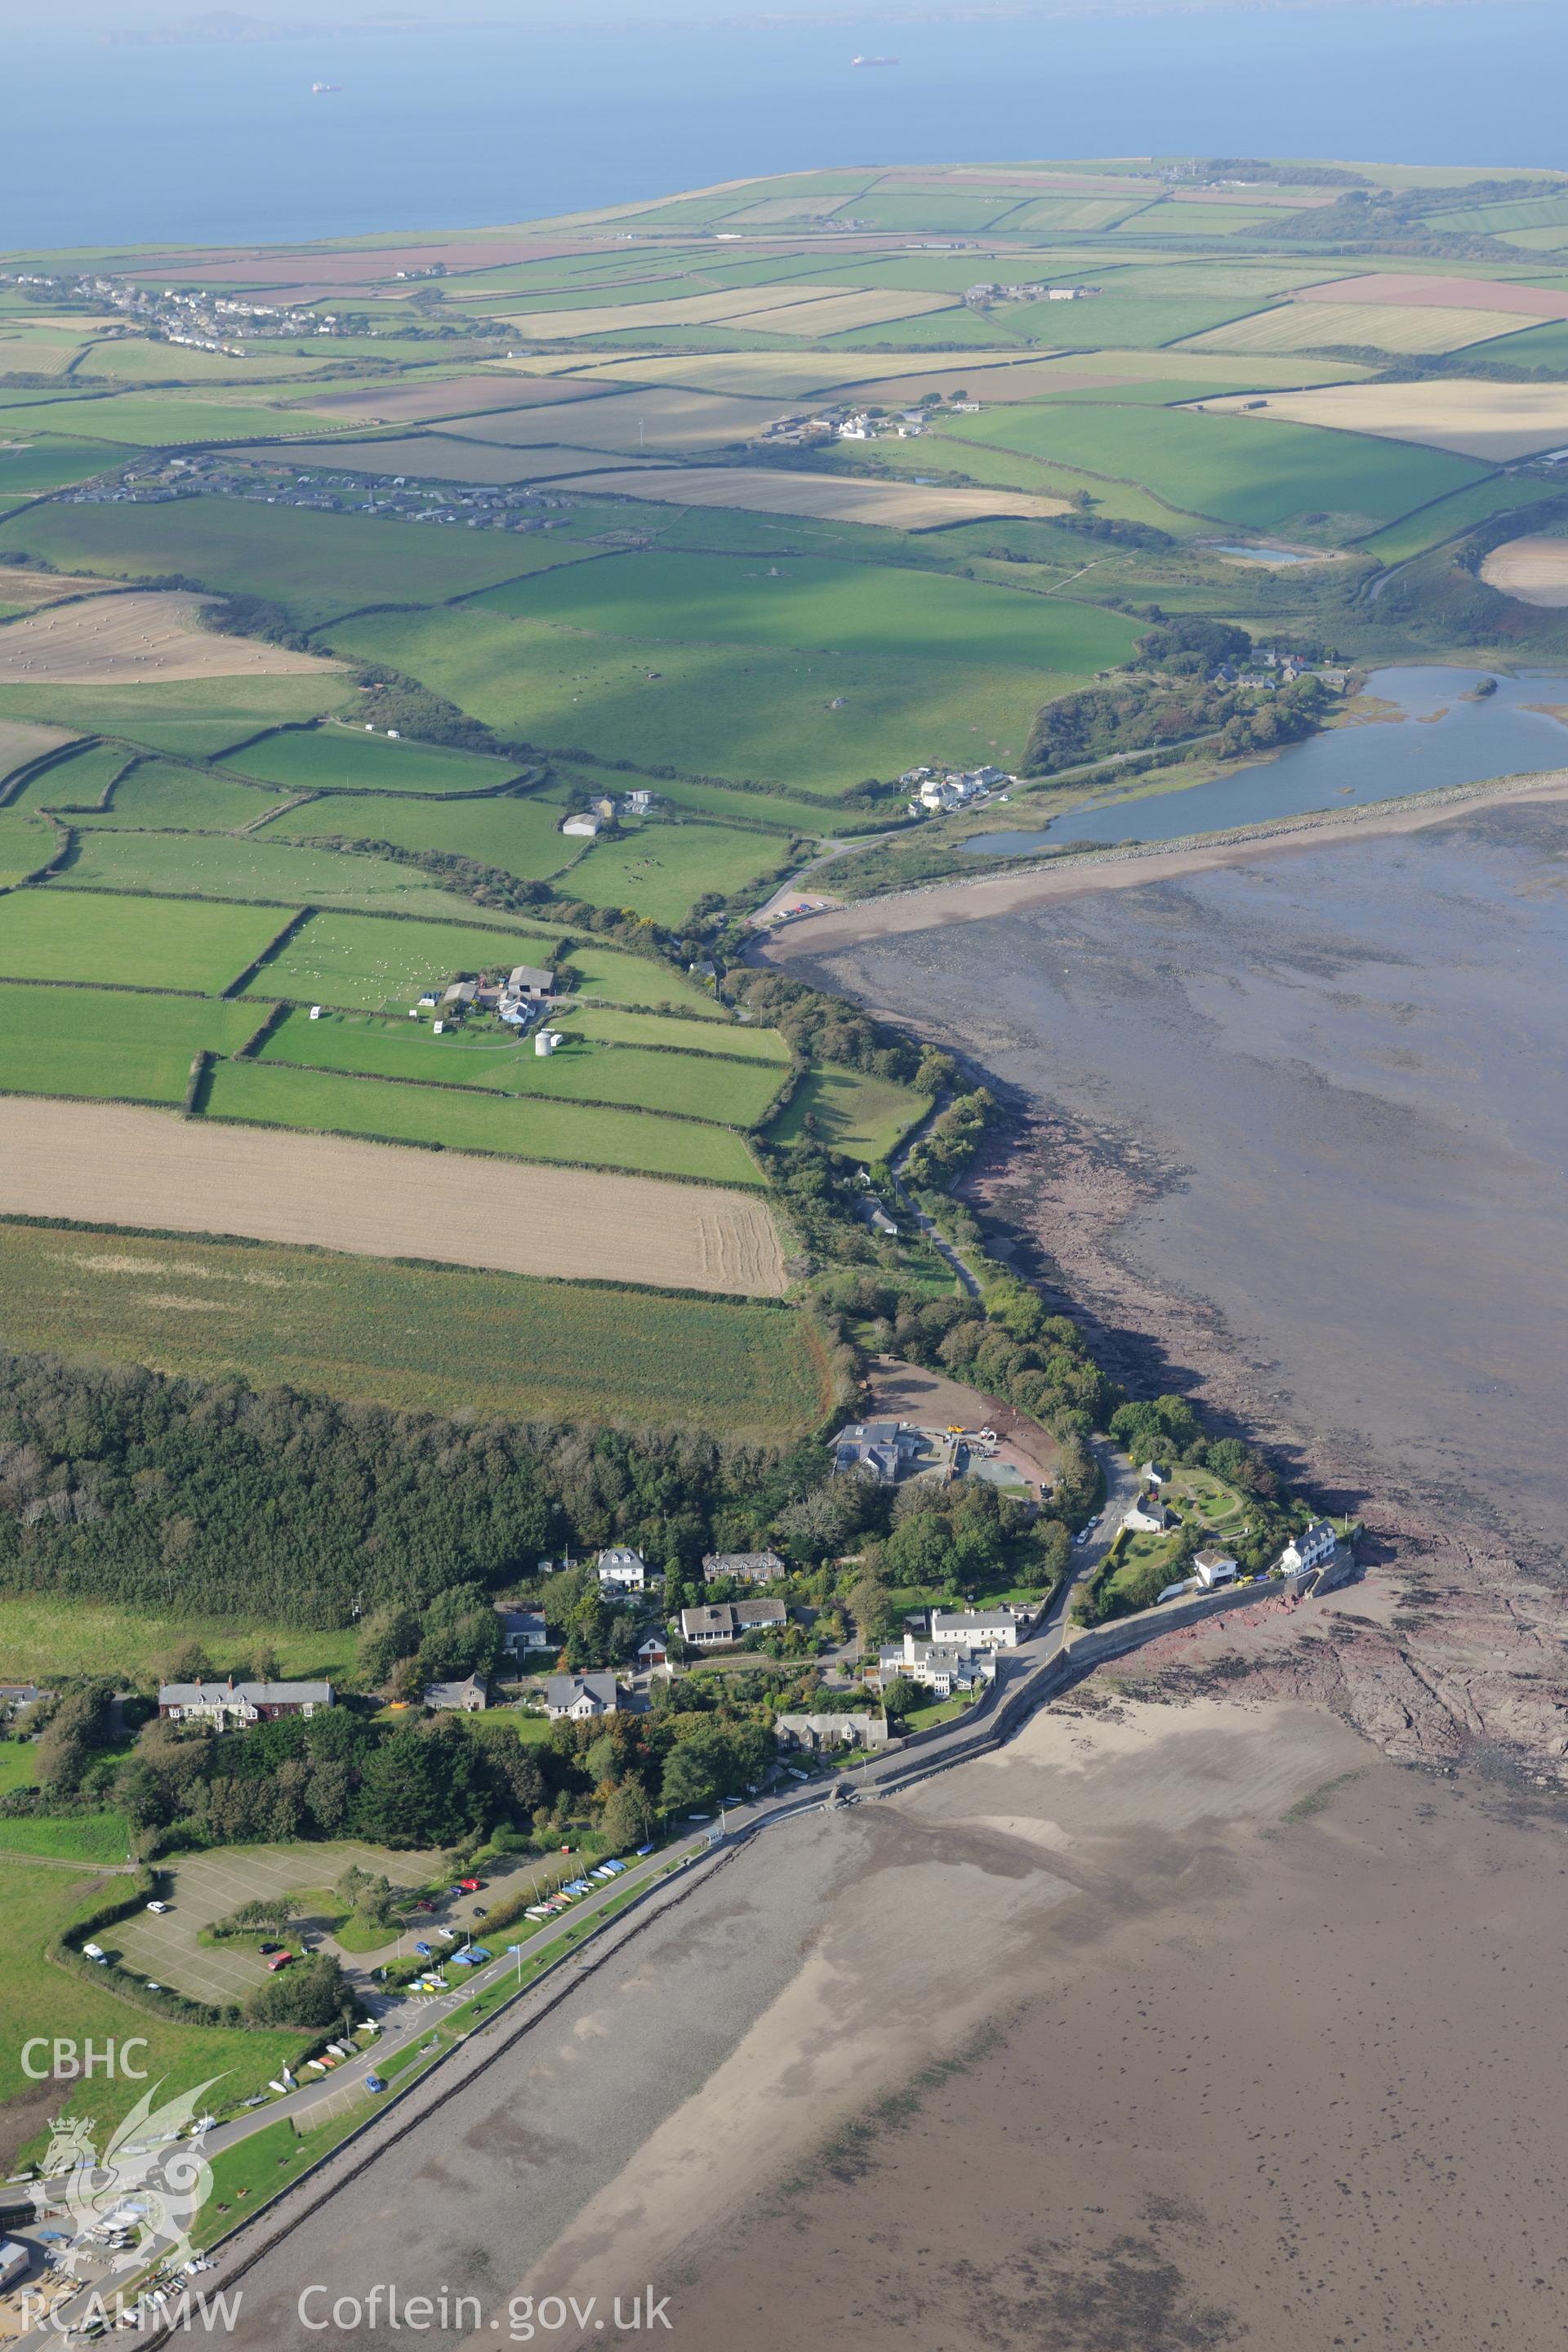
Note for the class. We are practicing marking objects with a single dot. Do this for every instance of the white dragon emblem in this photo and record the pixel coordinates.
(148, 2180)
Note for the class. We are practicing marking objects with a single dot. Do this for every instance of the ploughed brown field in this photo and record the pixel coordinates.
(152, 633)
(1534, 570)
(109, 1163)
(898, 506)
(1445, 293)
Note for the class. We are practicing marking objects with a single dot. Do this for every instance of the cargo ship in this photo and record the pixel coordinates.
(873, 61)
(324, 88)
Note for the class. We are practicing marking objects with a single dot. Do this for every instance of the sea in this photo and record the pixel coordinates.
(223, 140)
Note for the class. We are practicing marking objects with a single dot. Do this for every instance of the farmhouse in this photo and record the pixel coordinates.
(458, 999)
(467, 1697)
(817, 1732)
(1147, 1515)
(229, 1702)
(746, 1567)
(724, 1622)
(621, 1569)
(580, 1697)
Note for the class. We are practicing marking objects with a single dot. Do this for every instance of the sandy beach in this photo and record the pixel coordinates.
(1171, 2000)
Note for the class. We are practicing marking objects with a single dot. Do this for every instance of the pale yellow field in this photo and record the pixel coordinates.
(20, 585)
(786, 375)
(111, 1163)
(1386, 327)
(444, 458)
(21, 741)
(458, 396)
(899, 505)
(629, 421)
(684, 311)
(146, 632)
(1475, 419)
(841, 314)
(1533, 569)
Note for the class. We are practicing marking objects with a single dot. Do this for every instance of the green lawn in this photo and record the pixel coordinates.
(850, 1112)
(659, 870)
(425, 1338)
(776, 809)
(70, 935)
(696, 1086)
(1244, 470)
(364, 962)
(821, 721)
(337, 757)
(194, 717)
(869, 609)
(620, 978)
(315, 564)
(37, 1997)
(521, 836)
(88, 1041)
(69, 1837)
(1414, 533)
(573, 1134)
(736, 1038)
(155, 794)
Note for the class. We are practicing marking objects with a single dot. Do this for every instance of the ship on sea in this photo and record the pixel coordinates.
(873, 61)
(324, 88)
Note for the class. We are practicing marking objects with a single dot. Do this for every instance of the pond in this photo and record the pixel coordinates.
(1266, 554)
(1438, 739)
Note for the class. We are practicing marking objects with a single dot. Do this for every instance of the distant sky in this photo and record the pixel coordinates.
(92, 16)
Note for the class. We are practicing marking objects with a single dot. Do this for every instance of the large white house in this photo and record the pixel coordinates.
(230, 1702)
(1310, 1550)
(621, 1569)
(975, 1629)
(580, 1697)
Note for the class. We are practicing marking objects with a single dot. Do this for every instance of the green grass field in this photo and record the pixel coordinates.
(362, 962)
(89, 1041)
(315, 564)
(426, 1338)
(27, 842)
(850, 1112)
(225, 866)
(44, 1635)
(93, 1838)
(1414, 533)
(79, 782)
(155, 795)
(1240, 470)
(344, 759)
(126, 942)
(616, 977)
(660, 870)
(734, 1038)
(821, 721)
(38, 1998)
(572, 1134)
(871, 610)
(194, 718)
(171, 420)
(520, 834)
(696, 1086)
(778, 811)
(46, 462)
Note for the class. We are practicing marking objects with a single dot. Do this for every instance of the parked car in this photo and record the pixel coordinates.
(159, 1908)
(425, 1903)
(93, 1951)
(280, 1961)
(373, 2083)
(271, 1947)
(470, 1885)
(423, 1950)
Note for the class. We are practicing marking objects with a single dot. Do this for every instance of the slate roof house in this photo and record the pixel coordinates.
(580, 1697)
(745, 1567)
(231, 1702)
